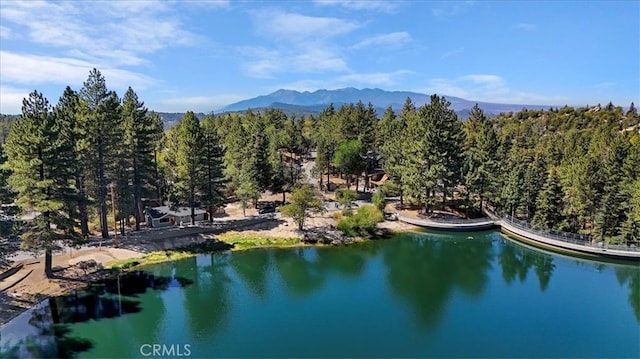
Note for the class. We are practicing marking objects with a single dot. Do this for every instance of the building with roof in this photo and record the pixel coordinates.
(164, 216)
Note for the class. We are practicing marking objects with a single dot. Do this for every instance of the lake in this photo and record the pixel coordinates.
(415, 295)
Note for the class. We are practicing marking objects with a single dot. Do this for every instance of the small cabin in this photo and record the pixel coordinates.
(165, 216)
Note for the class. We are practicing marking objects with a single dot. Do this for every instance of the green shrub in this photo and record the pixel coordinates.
(347, 226)
(345, 197)
(379, 200)
(362, 223)
(390, 188)
(347, 212)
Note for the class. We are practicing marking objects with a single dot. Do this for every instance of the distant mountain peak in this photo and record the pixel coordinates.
(379, 98)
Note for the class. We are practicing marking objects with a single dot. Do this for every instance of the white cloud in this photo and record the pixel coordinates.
(263, 62)
(293, 27)
(488, 88)
(381, 79)
(391, 39)
(11, 99)
(34, 70)
(371, 5)
(386, 80)
(5, 32)
(318, 60)
(297, 44)
(526, 26)
(116, 32)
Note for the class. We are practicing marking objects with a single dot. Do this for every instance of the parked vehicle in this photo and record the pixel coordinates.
(267, 209)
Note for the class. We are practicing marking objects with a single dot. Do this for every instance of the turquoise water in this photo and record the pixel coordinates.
(419, 295)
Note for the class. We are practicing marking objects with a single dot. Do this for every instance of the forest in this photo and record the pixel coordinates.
(568, 169)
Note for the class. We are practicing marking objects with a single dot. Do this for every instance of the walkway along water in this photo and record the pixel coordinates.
(557, 241)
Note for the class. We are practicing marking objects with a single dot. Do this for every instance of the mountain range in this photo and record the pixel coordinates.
(307, 102)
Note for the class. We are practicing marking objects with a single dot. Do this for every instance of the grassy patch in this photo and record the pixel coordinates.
(244, 240)
(170, 254)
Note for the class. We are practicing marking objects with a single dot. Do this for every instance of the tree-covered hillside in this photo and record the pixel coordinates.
(570, 169)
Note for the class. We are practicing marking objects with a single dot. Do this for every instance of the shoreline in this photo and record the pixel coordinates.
(16, 299)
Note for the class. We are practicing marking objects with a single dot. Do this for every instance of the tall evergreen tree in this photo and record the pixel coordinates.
(214, 180)
(100, 126)
(42, 160)
(435, 154)
(141, 132)
(481, 145)
(610, 214)
(158, 139)
(396, 146)
(326, 140)
(234, 139)
(385, 128)
(258, 163)
(6, 194)
(190, 159)
(550, 203)
(70, 112)
(630, 231)
(511, 196)
(367, 128)
(533, 183)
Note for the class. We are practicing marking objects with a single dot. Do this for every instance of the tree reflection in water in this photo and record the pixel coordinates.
(210, 291)
(252, 267)
(630, 275)
(348, 263)
(301, 275)
(516, 261)
(51, 335)
(424, 270)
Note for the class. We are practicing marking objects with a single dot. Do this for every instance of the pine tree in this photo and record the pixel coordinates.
(246, 192)
(549, 212)
(6, 194)
(190, 159)
(326, 140)
(533, 183)
(435, 153)
(141, 132)
(41, 158)
(396, 147)
(511, 195)
(385, 128)
(214, 181)
(258, 163)
(367, 129)
(100, 126)
(630, 231)
(610, 214)
(70, 112)
(632, 110)
(479, 157)
(158, 140)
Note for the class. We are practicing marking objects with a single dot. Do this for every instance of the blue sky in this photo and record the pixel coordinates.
(202, 55)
